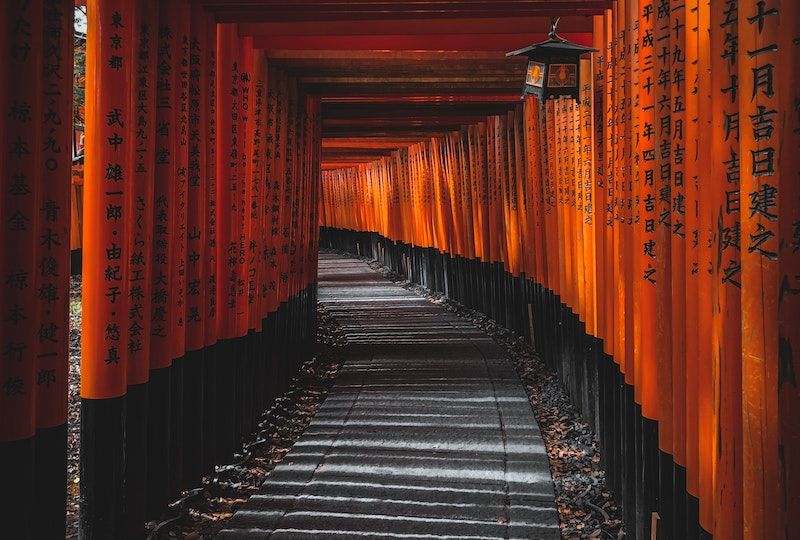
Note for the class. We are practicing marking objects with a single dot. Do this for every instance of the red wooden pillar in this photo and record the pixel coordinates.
(106, 253)
(698, 378)
(762, 198)
(647, 275)
(256, 246)
(53, 261)
(208, 118)
(272, 191)
(789, 296)
(273, 183)
(272, 221)
(679, 90)
(139, 237)
(195, 289)
(726, 345)
(244, 336)
(162, 333)
(283, 157)
(228, 177)
(688, 456)
(180, 181)
(663, 74)
(21, 176)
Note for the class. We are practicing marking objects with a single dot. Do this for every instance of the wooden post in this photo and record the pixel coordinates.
(139, 169)
(699, 465)
(53, 263)
(692, 269)
(789, 253)
(680, 88)
(647, 275)
(162, 333)
(195, 284)
(21, 189)
(761, 196)
(724, 181)
(227, 177)
(210, 248)
(106, 253)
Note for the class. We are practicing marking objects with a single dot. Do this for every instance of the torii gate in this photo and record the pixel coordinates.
(201, 163)
(202, 179)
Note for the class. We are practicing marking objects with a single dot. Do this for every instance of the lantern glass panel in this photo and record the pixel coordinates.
(562, 76)
(536, 74)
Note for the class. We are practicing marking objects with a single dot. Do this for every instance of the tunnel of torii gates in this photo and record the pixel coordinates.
(645, 237)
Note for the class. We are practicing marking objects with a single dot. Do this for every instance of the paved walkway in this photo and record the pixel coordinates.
(427, 432)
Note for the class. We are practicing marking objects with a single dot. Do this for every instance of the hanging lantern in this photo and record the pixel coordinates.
(553, 66)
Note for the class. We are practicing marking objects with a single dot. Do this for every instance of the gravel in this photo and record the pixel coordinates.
(202, 512)
(74, 408)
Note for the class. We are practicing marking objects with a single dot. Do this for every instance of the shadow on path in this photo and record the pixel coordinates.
(427, 432)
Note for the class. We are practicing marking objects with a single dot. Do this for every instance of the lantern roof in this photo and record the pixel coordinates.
(553, 44)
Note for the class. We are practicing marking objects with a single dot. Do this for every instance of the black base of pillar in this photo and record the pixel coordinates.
(209, 407)
(51, 482)
(75, 262)
(226, 401)
(257, 381)
(679, 500)
(176, 414)
(692, 518)
(102, 468)
(192, 418)
(158, 441)
(17, 509)
(136, 461)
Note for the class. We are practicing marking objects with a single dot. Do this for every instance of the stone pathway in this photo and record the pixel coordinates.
(427, 432)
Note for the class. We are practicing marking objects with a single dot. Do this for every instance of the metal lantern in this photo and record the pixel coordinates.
(553, 66)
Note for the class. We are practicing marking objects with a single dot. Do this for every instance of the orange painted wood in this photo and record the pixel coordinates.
(724, 180)
(760, 195)
(22, 188)
(228, 177)
(197, 183)
(600, 177)
(647, 247)
(609, 167)
(273, 183)
(587, 185)
(106, 251)
(623, 261)
(244, 187)
(789, 296)
(257, 175)
(139, 168)
(53, 260)
(180, 174)
(680, 88)
(707, 415)
(162, 334)
(208, 116)
(663, 137)
(688, 452)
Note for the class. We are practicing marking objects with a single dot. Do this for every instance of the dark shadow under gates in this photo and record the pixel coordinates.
(645, 479)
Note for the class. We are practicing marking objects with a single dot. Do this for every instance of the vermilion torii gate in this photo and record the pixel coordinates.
(199, 254)
(662, 255)
(200, 172)
(36, 100)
